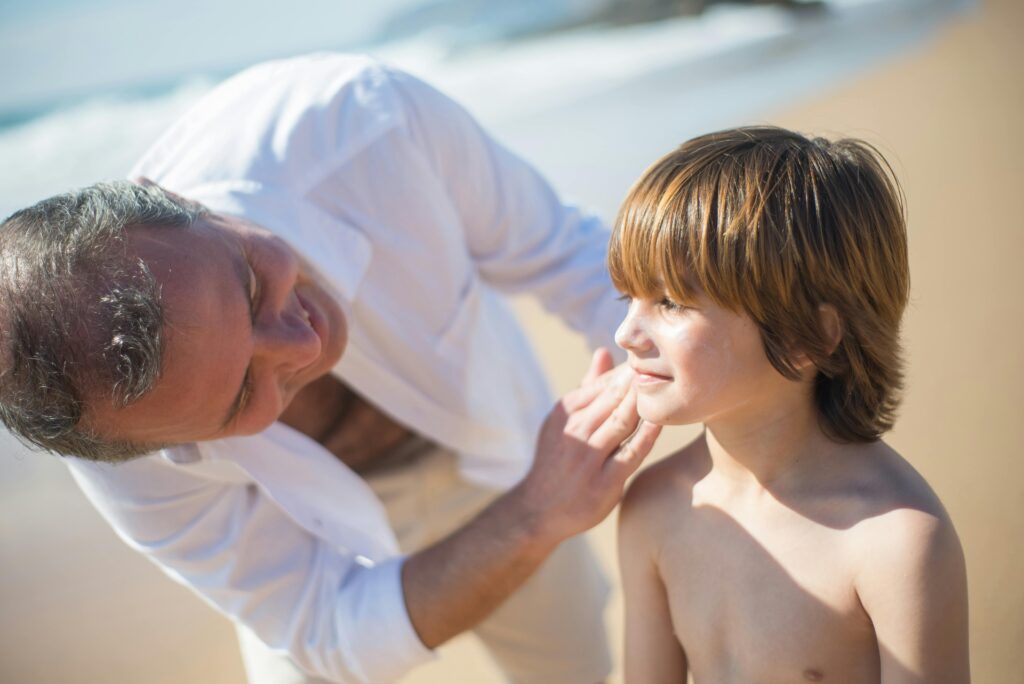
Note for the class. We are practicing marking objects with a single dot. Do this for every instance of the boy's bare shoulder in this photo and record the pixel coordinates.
(894, 515)
(665, 486)
(910, 560)
(878, 481)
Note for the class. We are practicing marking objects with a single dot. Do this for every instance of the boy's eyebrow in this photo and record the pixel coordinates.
(242, 270)
(687, 280)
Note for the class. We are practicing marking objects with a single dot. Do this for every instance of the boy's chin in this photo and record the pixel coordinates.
(660, 414)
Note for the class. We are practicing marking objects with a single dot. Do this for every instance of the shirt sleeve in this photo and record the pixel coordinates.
(521, 235)
(336, 614)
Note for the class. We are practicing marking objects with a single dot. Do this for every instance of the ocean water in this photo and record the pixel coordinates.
(612, 97)
(86, 86)
(57, 51)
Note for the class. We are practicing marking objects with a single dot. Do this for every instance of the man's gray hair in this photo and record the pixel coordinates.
(80, 319)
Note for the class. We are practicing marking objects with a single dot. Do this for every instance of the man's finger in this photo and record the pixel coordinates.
(600, 363)
(586, 421)
(619, 424)
(581, 397)
(627, 459)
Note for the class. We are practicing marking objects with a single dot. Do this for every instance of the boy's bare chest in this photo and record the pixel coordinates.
(766, 601)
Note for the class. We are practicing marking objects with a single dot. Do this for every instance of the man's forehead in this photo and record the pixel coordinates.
(180, 257)
(160, 240)
(203, 307)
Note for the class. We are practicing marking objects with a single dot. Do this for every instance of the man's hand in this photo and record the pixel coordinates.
(577, 477)
(603, 371)
(583, 455)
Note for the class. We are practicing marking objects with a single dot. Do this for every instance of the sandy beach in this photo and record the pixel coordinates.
(79, 607)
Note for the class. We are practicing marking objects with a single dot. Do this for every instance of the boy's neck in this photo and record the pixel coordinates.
(771, 446)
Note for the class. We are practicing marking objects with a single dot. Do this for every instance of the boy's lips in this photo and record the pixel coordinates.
(649, 377)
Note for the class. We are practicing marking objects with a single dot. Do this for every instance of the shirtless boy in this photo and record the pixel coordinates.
(767, 274)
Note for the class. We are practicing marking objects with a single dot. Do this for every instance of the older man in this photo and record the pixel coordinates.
(288, 370)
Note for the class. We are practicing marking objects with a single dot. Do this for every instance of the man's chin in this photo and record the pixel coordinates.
(304, 380)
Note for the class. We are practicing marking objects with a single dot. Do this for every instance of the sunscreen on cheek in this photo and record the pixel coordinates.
(699, 359)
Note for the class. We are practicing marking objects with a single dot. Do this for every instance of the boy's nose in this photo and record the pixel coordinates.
(630, 335)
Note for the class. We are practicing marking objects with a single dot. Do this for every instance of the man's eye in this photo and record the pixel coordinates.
(254, 291)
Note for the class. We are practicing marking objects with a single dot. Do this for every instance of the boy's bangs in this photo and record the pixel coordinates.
(650, 254)
(635, 259)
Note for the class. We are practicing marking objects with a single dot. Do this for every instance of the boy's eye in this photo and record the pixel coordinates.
(668, 305)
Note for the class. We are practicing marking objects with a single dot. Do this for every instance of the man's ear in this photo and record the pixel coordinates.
(831, 325)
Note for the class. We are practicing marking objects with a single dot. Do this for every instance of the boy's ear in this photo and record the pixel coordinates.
(831, 325)
(828, 319)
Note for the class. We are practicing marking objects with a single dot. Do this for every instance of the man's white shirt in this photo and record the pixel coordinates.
(420, 223)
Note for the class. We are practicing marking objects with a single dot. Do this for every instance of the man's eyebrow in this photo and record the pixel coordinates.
(242, 270)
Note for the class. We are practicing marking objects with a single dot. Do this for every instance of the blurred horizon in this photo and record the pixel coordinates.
(85, 112)
(55, 53)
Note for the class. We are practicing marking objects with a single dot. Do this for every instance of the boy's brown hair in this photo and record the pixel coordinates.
(773, 224)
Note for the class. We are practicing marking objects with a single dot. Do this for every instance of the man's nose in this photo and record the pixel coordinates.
(286, 340)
